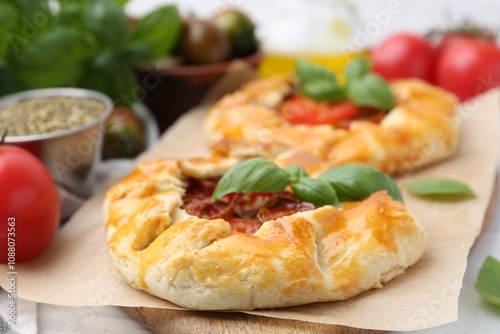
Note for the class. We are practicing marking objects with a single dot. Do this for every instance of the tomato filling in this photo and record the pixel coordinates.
(299, 109)
(245, 212)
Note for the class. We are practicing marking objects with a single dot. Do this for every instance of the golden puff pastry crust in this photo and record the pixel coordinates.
(420, 130)
(321, 255)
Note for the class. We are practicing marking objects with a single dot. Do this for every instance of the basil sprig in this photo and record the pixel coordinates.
(343, 183)
(357, 182)
(439, 187)
(252, 175)
(86, 44)
(315, 191)
(487, 283)
(362, 86)
(318, 82)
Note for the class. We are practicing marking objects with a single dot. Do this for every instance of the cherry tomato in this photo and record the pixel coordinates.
(124, 135)
(30, 209)
(468, 68)
(404, 55)
(301, 110)
(202, 42)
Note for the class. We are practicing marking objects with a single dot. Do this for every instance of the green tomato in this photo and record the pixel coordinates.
(202, 42)
(240, 29)
(124, 135)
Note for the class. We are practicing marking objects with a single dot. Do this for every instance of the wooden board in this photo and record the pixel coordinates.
(161, 321)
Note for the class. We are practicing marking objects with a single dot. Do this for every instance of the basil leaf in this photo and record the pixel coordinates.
(437, 186)
(121, 2)
(30, 9)
(315, 191)
(54, 58)
(307, 71)
(318, 83)
(8, 21)
(356, 182)
(295, 173)
(323, 90)
(70, 15)
(135, 53)
(8, 80)
(119, 82)
(160, 28)
(488, 281)
(256, 174)
(357, 68)
(106, 20)
(371, 91)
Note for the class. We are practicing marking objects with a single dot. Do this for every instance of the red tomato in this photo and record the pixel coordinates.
(404, 55)
(30, 209)
(468, 68)
(301, 110)
(452, 39)
(463, 35)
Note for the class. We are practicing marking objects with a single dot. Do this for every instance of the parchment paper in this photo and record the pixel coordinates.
(77, 271)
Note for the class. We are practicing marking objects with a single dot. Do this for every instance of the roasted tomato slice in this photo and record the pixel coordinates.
(205, 208)
(245, 212)
(201, 188)
(280, 207)
(244, 225)
(302, 110)
(247, 205)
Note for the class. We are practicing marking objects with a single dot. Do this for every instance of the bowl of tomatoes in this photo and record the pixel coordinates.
(204, 51)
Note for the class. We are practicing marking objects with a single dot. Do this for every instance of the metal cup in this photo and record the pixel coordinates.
(70, 155)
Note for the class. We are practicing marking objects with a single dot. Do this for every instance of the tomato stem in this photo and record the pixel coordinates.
(4, 134)
(466, 28)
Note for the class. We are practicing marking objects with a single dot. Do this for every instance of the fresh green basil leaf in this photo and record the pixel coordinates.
(353, 182)
(107, 21)
(295, 173)
(54, 58)
(136, 52)
(315, 191)
(323, 90)
(31, 10)
(488, 280)
(161, 29)
(70, 15)
(256, 174)
(357, 68)
(371, 91)
(8, 80)
(119, 82)
(307, 71)
(121, 2)
(437, 186)
(9, 18)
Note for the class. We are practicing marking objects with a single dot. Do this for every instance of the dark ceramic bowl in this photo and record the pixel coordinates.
(168, 93)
